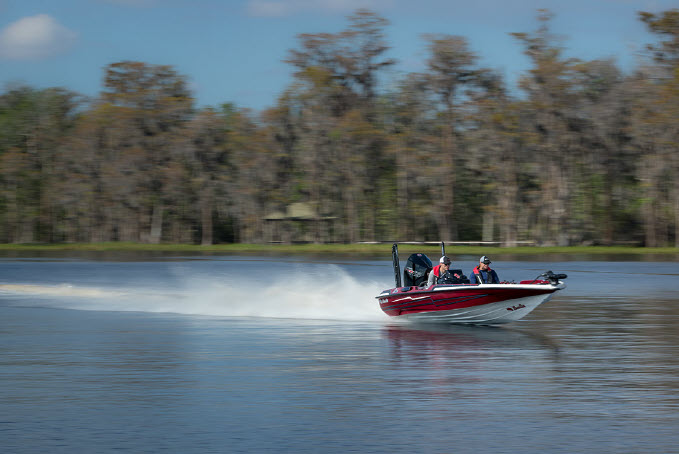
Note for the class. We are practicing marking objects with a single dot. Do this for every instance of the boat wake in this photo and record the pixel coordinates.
(56, 290)
(336, 297)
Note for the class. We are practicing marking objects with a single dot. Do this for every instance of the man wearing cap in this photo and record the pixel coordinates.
(482, 274)
(440, 274)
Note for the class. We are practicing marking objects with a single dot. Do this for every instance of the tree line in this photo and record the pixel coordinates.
(579, 153)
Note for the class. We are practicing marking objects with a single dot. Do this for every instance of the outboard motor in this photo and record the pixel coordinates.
(417, 270)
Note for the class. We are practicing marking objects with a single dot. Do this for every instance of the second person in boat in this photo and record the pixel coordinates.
(482, 274)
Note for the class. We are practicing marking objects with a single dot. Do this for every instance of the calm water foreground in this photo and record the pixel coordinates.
(262, 354)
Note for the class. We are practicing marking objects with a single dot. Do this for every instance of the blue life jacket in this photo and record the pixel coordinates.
(485, 277)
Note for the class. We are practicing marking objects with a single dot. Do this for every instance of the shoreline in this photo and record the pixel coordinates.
(358, 249)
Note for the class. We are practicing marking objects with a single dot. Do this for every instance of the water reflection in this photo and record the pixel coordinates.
(456, 336)
(455, 343)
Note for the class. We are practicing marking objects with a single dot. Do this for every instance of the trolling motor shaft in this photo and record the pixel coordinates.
(552, 277)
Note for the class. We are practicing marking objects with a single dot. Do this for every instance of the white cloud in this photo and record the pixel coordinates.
(279, 8)
(34, 38)
(268, 9)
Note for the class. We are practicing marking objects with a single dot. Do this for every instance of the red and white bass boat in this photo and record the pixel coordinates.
(464, 303)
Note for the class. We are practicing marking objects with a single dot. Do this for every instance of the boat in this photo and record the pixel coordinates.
(462, 302)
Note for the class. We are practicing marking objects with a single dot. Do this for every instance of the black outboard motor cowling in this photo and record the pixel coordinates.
(417, 270)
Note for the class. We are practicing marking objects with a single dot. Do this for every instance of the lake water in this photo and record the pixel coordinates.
(272, 354)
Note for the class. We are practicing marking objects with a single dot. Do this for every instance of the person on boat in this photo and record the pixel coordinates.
(482, 274)
(441, 274)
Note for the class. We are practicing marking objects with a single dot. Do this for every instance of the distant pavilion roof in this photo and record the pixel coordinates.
(299, 211)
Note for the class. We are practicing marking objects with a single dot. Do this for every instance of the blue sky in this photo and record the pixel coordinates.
(233, 50)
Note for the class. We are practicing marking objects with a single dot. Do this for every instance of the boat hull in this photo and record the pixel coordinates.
(485, 304)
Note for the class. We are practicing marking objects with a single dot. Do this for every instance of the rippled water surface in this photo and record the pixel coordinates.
(262, 354)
